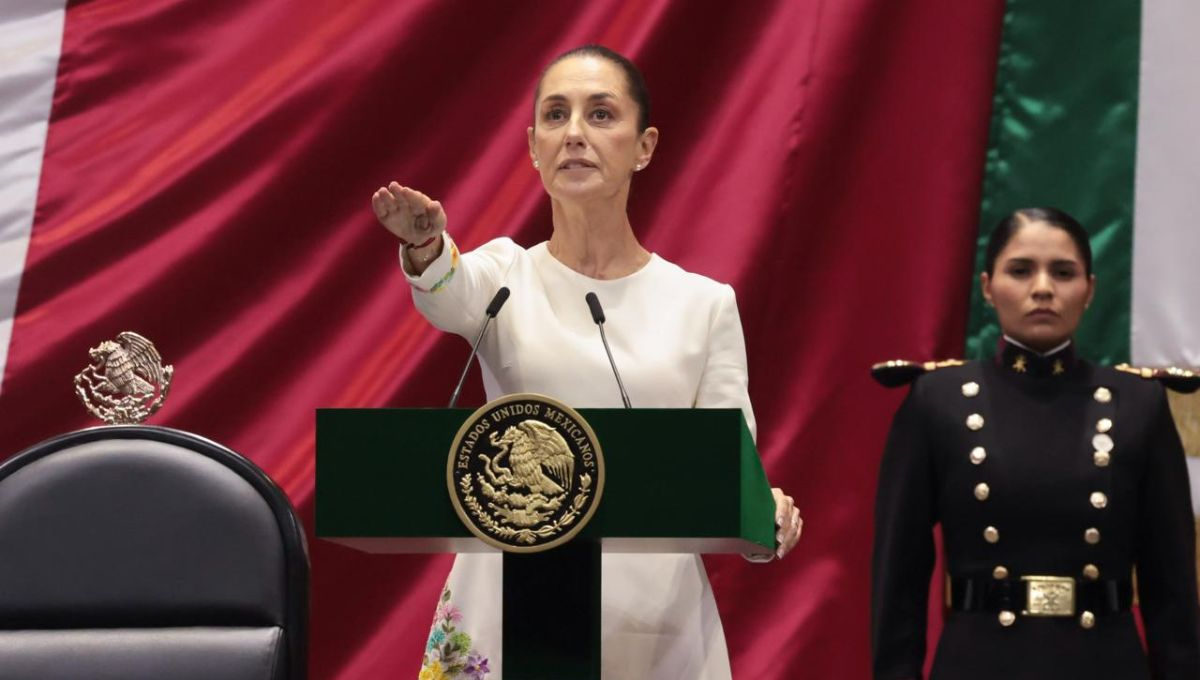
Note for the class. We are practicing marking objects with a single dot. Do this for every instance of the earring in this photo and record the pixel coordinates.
(638, 167)
(536, 165)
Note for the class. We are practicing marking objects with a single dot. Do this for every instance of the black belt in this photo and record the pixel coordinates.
(986, 594)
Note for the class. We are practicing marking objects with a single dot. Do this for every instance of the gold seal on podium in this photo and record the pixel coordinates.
(525, 473)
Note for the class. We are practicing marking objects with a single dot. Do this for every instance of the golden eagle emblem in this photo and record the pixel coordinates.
(525, 473)
(126, 381)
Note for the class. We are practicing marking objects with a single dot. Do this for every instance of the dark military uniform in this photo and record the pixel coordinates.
(1053, 479)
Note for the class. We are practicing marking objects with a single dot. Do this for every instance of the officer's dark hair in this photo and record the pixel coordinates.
(633, 79)
(1009, 226)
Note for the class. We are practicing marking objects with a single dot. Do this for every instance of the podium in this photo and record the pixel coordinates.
(677, 481)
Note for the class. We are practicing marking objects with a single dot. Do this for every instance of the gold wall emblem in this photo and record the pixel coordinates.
(525, 473)
(126, 381)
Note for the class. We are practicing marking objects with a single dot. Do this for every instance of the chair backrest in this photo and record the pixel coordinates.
(139, 553)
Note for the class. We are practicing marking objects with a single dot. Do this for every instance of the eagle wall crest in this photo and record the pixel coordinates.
(126, 381)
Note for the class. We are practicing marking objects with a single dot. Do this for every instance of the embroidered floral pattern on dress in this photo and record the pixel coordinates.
(448, 653)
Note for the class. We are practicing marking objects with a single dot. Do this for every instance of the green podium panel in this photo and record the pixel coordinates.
(677, 481)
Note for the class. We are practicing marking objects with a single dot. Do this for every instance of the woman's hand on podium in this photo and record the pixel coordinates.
(416, 219)
(787, 521)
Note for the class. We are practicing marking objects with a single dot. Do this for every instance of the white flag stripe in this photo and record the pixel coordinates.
(1166, 237)
(30, 42)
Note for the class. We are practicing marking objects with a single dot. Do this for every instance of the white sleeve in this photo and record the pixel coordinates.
(455, 289)
(725, 381)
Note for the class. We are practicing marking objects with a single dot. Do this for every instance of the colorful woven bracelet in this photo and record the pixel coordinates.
(441, 283)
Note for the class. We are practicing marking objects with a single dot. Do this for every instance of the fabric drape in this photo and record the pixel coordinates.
(1063, 134)
(206, 182)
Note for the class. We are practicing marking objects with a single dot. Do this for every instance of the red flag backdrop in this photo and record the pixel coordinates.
(207, 180)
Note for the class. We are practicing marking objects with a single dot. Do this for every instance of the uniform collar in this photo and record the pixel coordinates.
(1014, 357)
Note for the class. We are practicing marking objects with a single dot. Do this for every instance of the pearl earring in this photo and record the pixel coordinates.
(536, 165)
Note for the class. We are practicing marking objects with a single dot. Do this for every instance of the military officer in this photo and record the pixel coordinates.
(1053, 480)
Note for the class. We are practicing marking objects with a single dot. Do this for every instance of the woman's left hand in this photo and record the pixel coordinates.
(788, 523)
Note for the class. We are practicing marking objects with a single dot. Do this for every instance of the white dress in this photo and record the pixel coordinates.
(677, 339)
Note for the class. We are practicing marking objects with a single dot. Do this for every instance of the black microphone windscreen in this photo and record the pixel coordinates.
(594, 305)
(498, 301)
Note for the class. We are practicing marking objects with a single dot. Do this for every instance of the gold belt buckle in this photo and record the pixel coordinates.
(1049, 596)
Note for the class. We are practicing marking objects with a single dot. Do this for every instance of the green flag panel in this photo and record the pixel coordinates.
(1063, 134)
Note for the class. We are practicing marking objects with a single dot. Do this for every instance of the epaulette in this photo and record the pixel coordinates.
(899, 372)
(1174, 379)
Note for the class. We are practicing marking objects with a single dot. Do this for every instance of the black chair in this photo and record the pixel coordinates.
(146, 553)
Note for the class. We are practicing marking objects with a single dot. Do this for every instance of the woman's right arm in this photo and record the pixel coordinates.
(904, 551)
(450, 289)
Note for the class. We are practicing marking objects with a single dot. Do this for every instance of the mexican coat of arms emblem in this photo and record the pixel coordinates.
(126, 381)
(525, 473)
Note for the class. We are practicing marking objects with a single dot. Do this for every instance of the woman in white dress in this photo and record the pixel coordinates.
(676, 337)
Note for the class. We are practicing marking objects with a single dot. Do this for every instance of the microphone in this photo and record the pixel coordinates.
(593, 304)
(490, 313)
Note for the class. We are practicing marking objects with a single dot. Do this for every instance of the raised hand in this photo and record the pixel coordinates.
(409, 214)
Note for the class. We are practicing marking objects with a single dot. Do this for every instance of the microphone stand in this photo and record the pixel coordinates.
(593, 303)
(490, 313)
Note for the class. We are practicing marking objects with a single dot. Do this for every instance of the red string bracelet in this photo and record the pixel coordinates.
(431, 239)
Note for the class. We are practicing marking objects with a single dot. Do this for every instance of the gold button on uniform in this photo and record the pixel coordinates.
(975, 421)
(981, 491)
(1007, 618)
(978, 455)
(1087, 620)
(991, 534)
(1104, 425)
(1102, 442)
(1101, 458)
(1091, 572)
(1103, 395)
(1000, 572)
(970, 389)
(1099, 500)
(1092, 535)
